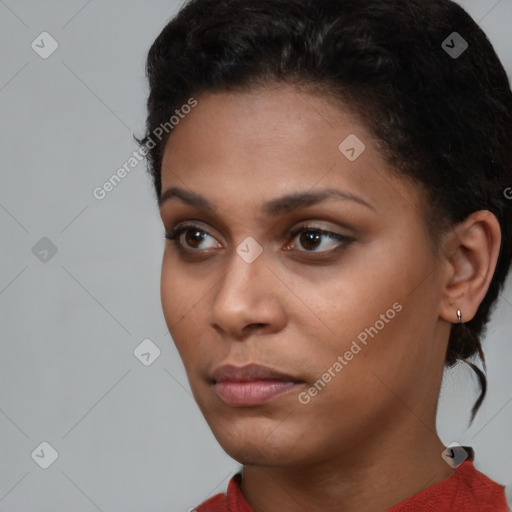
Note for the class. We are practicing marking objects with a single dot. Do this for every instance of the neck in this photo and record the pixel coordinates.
(371, 476)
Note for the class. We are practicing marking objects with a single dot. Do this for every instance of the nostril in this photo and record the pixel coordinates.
(255, 326)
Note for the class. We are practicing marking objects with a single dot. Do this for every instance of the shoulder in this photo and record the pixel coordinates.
(475, 487)
(216, 503)
(231, 501)
(466, 490)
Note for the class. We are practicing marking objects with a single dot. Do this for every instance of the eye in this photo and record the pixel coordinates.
(193, 237)
(312, 239)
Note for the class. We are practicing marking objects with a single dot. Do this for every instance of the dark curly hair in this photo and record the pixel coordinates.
(443, 120)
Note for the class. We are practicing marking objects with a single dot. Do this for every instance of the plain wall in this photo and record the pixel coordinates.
(129, 437)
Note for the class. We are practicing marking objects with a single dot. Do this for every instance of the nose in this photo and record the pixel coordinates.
(248, 299)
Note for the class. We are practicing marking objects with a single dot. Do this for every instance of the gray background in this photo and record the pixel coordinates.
(129, 437)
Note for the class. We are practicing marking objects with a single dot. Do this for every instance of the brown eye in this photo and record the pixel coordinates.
(311, 239)
(193, 238)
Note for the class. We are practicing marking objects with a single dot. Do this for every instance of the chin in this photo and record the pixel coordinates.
(259, 441)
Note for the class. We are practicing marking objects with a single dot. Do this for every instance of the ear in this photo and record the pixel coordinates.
(470, 253)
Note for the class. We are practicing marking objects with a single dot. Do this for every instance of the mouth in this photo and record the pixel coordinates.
(251, 385)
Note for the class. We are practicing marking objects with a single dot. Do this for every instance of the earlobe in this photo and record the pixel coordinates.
(471, 254)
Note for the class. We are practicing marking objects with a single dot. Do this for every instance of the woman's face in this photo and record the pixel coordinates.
(338, 290)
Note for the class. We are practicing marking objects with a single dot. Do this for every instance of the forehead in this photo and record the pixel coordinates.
(254, 145)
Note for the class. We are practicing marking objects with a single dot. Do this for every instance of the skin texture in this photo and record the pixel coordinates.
(368, 438)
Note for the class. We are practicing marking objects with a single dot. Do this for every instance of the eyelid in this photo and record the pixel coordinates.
(176, 232)
(343, 240)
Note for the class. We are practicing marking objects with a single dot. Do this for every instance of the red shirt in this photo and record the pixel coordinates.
(466, 490)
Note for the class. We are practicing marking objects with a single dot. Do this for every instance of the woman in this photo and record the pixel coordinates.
(332, 179)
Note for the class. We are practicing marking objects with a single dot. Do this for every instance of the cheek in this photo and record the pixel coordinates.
(181, 290)
(368, 287)
(170, 292)
(380, 316)
(181, 299)
(377, 371)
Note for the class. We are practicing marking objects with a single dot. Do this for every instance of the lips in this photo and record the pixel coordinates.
(250, 372)
(251, 385)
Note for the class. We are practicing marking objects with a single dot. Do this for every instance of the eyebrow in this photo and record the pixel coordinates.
(280, 206)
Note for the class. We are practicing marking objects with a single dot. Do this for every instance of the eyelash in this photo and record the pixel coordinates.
(174, 235)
